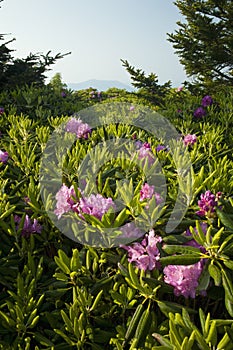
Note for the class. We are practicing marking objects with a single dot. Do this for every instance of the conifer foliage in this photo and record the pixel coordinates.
(204, 41)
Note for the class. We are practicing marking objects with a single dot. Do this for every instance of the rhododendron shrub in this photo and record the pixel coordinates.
(150, 286)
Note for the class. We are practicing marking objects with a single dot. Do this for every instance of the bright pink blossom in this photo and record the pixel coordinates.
(145, 254)
(145, 152)
(190, 139)
(147, 192)
(76, 126)
(184, 278)
(4, 156)
(65, 200)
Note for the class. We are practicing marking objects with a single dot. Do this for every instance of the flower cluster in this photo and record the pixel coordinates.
(3, 156)
(200, 111)
(208, 204)
(65, 198)
(95, 205)
(76, 126)
(130, 230)
(29, 226)
(184, 278)
(145, 152)
(190, 139)
(147, 192)
(145, 254)
(1, 110)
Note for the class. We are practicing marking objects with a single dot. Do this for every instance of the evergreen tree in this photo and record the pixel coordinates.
(148, 85)
(15, 72)
(204, 42)
(56, 83)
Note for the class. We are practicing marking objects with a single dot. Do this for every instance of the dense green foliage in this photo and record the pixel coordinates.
(204, 40)
(148, 86)
(58, 294)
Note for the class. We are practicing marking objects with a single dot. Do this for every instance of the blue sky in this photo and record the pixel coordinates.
(98, 33)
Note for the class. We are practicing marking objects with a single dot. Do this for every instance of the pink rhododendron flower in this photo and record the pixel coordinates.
(145, 254)
(4, 156)
(144, 152)
(129, 230)
(76, 126)
(208, 204)
(65, 200)
(184, 278)
(95, 205)
(147, 192)
(190, 139)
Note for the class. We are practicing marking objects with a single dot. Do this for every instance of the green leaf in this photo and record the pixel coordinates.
(215, 273)
(62, 265)
(228, 263)
(121, 218)
(212, 335)
(75, 264)
(43, 340)
(184, 259)
(225, 219)
(173, 249)
(67, 321)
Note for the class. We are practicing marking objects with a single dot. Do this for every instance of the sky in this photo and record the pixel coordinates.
(98, 34)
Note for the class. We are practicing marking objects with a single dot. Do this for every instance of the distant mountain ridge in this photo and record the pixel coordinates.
(100, 85)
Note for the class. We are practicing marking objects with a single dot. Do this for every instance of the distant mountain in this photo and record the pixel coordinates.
(100, 85)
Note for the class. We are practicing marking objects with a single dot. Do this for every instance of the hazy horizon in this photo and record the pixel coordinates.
(99, 35)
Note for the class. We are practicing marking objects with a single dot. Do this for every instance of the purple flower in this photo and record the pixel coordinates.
(132, 108)
(29, 226)
(180, 88)
(95, 205)
(1, 110)
(145, 254)
(199, 112)
(184, 278)
(65, 200)
(129, 230)
(208, 204)
(160, 148)
(190, 139)
(63, 94)
(3, 156)
(144, 153)
(147, 192)
(206, 101)
(76, 126)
